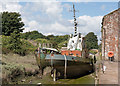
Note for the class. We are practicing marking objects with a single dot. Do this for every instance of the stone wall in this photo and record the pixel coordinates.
(110, 34)
(119, 34)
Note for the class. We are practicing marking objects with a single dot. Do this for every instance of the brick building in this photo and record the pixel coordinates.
(111, 34)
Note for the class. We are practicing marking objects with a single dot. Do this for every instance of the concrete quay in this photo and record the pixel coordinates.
(110, 76)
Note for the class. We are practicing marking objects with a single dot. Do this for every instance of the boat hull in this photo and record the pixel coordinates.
(74, 69)
(75, 66)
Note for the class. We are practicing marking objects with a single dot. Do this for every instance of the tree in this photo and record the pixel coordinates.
(91, 41)
(11, 21)
(55, 40)
(32, 35)
(15, 43)
(49, 37)
(0, 23)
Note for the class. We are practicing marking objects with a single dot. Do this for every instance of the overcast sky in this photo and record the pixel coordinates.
(54, 17)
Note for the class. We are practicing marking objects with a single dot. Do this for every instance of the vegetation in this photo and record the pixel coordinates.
(32, 35)
(91, 41)
(5, 44)
(93, 52)
(11, 28)
(11, 21)
(56, 40)
(40, 38)
(15, 66)
(62, 44)
(15, 44)
(12, 45)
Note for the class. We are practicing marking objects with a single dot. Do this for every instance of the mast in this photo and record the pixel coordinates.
(75, 22)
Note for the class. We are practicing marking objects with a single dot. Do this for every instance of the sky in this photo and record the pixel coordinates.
(54, 17)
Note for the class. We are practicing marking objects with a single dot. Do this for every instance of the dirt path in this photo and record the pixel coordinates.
(111, 74)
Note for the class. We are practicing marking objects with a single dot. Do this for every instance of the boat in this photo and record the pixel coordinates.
(70, 63)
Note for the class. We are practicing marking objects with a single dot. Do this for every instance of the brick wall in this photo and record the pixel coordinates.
(119, 34)
(110, 34)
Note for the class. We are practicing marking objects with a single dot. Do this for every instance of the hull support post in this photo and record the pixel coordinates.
(65, 70)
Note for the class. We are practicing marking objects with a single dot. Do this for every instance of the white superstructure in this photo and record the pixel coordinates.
(75, 42)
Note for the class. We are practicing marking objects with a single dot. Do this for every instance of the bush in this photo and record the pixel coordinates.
(18, 46)
(93, 52)
(39, 40)
(5, 50)
(62, 44)
(5, 44)
(15, 73)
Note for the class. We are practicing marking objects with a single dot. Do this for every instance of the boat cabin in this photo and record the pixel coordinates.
(75, 45)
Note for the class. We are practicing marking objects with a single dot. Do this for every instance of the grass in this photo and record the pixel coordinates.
(48, 80)
(88, 79)
(15, 63)
(26, 61)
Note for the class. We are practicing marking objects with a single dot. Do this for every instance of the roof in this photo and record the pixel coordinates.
(53, 49)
